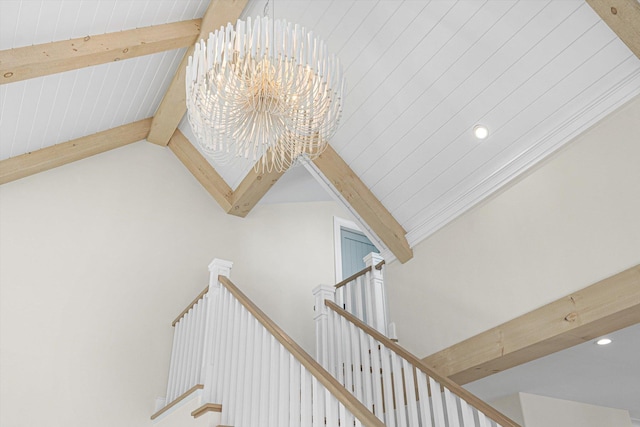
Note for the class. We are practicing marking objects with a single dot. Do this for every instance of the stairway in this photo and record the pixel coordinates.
(234, 366)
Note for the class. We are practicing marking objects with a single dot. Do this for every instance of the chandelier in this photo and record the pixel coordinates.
(266, 91)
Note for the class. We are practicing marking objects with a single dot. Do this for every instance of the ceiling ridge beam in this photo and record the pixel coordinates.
(50, 58)
(173, 105)
(201, 169)
(623, 17)
(365, 203)
(37, 161)
(604, 307)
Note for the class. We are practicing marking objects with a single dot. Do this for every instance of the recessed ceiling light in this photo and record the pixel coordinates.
(603, 341)
(480, 131)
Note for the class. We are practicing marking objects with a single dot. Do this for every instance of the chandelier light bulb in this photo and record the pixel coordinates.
(481, 131)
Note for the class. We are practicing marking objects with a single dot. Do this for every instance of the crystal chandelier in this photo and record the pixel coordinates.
(265, 90)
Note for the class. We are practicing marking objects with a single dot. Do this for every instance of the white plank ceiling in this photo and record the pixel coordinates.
(420, 75)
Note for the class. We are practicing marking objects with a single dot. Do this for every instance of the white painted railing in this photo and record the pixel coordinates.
(363, 295)
(395, 385)
(187, 356)
(246, 363)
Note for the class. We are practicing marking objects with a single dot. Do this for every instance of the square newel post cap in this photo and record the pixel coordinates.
(325, 290)
(219, 267)
(372, 259)
(322, 293)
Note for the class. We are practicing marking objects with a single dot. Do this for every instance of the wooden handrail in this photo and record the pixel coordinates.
(470, 398)
(353, 277)
(325, 378)
(190, 306)
(362, 272)
(177, 400)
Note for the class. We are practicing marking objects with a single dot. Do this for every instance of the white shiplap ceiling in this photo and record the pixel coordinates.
(420, 75)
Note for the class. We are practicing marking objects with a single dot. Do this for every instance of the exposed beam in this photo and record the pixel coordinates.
(599, 309)
(252, 188)
(623, 17)
(364, 203)
(50, 58)
(67, 152)
(201, 169)
(173, 105)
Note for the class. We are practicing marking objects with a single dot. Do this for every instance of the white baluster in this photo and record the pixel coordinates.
(306, 410)
(436, 400)
(356, 363)
(318, 403)
(358, 303)
(283, 392)
(396, 363)
(452, 408)
(467, 414)
(294, 392)
(378, 388)
(257, 365)
(425, 405)
(274, 372)
(348, 360)
(264, 377)
(243, 410)
(410, 386)
(182, 373)
(385, 359)
(367, 373)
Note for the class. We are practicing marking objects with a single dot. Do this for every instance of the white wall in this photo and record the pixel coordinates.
(568, 224)
(542, 411)
(510, 406)
(99, 256)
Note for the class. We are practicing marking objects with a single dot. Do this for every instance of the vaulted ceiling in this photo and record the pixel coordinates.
(420, 76)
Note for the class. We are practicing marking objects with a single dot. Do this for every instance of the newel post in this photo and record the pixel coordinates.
(217, 267)
(322, 293)
(379, 317)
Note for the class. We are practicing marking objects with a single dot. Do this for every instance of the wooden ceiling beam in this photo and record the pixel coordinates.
(623, 17)
(67, 152)
(252, 188)
(599, 309)
(173, 105)
(362, 200)
(50, 58)
(201, 170)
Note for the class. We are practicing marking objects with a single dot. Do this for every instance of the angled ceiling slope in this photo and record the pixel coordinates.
(421, 75)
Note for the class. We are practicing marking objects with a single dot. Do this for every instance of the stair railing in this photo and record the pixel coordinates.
(363, 294)
(394, 384)
(250, 367)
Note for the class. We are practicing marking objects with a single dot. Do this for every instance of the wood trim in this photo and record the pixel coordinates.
(353, 277)
(201, 169)
(325, 378)
(379, 265)
(190, 306)
(252, 188)
(50, 58)
(177, 400)
(173, 105)
(599, 309)
(356, 193)
(470, 398)
(623, 17)
(67, 152)
(207, 407)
